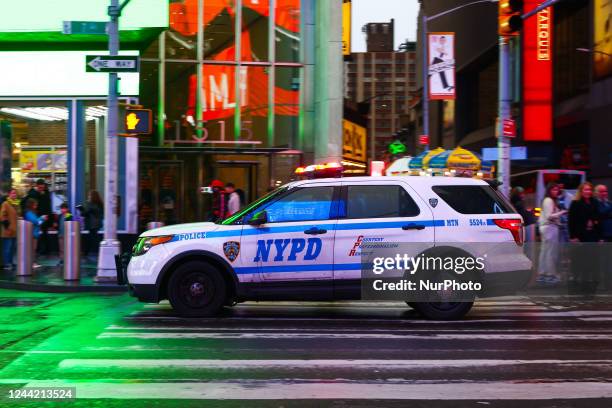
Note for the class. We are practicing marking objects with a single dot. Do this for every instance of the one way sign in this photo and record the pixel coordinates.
(106, 63)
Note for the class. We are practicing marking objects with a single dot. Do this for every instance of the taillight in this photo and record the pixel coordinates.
(514, 225)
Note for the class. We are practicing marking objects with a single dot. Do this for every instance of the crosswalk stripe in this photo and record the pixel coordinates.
(324, 335)
(69, 364)
(282, 390)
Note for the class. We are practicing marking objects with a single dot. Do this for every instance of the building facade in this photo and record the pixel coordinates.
(578, 98)
(241, 91)
(385, 80)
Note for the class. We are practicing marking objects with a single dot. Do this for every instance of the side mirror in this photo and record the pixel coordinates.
(259, 218)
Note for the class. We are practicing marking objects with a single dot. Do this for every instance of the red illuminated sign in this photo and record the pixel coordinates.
(537, 74)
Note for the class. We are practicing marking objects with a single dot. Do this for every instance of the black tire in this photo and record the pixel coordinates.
(443, 310)
(197, 289)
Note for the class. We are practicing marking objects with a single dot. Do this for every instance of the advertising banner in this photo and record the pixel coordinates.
(441, 57)
(537, 74)
(346, 27)
(353, 141)
(40, 161)
(602, 63)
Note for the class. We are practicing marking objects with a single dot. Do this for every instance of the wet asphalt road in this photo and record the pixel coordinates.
(514, 351)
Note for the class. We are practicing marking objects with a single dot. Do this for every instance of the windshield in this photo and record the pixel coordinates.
(237, 218)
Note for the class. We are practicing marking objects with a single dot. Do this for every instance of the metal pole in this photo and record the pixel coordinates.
(72, 250)
(505, 100)
(425, 78)
(25, 256)
(110, 247)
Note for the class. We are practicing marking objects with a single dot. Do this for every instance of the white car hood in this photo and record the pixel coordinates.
(181, 229)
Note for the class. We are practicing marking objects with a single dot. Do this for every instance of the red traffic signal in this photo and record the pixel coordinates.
(510, 21)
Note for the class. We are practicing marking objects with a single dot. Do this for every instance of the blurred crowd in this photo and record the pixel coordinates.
(47, 226)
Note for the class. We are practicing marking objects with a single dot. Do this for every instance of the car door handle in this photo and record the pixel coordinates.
(315, 231)
(412, 227)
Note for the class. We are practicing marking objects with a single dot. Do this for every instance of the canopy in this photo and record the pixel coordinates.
(439, 161)
(463, 159)
(422, 160)
(399, 167)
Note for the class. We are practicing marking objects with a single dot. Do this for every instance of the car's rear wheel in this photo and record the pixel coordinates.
(197, 289)
(443, 310)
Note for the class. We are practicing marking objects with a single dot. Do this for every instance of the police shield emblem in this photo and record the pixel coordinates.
(231, 250)
(433, 202)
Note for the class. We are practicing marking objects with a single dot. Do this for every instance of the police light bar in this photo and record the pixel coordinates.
(325, 170)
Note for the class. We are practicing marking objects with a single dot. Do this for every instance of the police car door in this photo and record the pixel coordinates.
(297, 241)
(378, 213)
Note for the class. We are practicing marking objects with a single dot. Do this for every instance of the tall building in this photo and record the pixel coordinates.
(385, 80)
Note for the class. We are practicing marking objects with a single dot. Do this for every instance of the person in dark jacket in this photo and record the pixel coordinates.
(605, 211)
(40, 193)
(93, 214)
(585, 229)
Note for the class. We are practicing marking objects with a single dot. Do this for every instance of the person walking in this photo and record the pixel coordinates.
(93, 214)
(233, 200)
(8, 217)
(517, 197)
(65, 215)
(604, 206)
(584, 229)
(31, 215)
(549, 225)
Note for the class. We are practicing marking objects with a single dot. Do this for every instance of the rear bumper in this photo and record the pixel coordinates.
(505, 283)
(144, 293)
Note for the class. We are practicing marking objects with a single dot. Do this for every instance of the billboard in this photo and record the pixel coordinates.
(602, 41)
(57, 73)
(537, 74)
(441, 57)
(353, 141)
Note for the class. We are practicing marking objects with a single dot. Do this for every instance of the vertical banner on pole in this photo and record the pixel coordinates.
(537, 74)
(346, 27)
(441, 70)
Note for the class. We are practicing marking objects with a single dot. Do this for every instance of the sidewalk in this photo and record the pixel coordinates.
(49, 278)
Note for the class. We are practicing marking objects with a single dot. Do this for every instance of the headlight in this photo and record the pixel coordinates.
(145, 243)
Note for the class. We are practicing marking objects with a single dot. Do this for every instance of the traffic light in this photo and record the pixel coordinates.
(510, 21)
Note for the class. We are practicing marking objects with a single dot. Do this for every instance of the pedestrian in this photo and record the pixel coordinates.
(233, 199)
(604, 206)
(31, 215)
(8, 217)
(517, 197)
(219, 205)
(93, 214)
(41, 194)
(584, 230)
(549, 233)
(65, 215)
(563, 201)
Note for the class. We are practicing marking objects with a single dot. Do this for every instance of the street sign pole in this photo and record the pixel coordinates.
(425, 58)
(505, 100)
(110, 246)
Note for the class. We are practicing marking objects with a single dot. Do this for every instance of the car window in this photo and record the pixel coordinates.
(473, 199)
(302, 204)
(379, 201)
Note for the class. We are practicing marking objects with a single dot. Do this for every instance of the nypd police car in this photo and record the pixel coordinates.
(302, 242)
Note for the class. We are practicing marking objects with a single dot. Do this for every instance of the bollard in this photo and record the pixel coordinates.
(72, 250)
(154, 224)
(25, 257)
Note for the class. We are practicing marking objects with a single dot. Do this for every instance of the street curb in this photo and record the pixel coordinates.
(40, 287)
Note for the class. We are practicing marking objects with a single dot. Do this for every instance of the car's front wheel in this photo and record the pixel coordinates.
(443, 310)
(197, 289)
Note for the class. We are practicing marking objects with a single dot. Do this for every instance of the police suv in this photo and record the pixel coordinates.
(301, 242)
